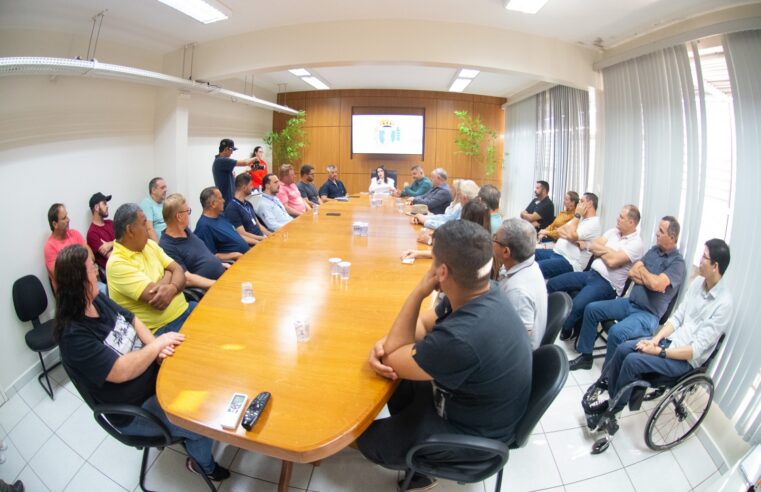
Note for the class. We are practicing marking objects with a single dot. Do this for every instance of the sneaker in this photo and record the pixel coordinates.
(218, 474)
(419, 483)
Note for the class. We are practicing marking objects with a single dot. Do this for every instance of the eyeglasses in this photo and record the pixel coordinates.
(706, 258)
(494, 239)
(183, 211)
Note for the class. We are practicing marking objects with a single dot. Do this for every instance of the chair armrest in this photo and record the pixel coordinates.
(193, 294)
(479, 458)
(162, 437)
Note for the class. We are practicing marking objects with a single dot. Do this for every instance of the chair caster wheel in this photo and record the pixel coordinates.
(600, 445)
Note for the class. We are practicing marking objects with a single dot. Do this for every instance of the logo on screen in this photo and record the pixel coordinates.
(387, 132)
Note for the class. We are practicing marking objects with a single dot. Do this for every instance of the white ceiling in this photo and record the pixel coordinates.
(151, 25)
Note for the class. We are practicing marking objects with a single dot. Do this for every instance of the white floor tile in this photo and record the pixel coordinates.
(584, 378)
(119, 462)
(3, 432)
(661, 473)
(12, 411)
(571, 450)
(55, 413)
(224, 454)
(537, 429)
(710, 484)
(629, 441)
(32, 392)
(14, 463)
(59, 375)
(349, 471)
(450, 486)
(56, 464)
(29, 435)
(81, 432)
(242, 483)
(168, 473)
(257, 465)
(32, 482)
(88, 478)
(565, 412)
(531, 467)
(694, 460)
(69, 386)
(617, 481)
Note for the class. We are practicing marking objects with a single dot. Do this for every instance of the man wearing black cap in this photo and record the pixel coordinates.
(223, 166)
(100, 235)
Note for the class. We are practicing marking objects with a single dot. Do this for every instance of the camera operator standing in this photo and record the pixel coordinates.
(258, 167)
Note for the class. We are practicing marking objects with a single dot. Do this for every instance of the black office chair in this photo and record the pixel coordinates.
(30, 301)
(549, 373)
(559, 306)
(194, 294)
(162, 439)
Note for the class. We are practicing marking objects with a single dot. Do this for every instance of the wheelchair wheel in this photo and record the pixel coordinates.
(679, 413)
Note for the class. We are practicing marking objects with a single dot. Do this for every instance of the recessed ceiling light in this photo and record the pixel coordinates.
(198, 9)
(525, 6)
(468, 73)
(315, 82)
(300, 72)
(459, 85)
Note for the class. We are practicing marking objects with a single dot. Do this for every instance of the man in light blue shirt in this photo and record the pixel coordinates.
(467, 191)
(153, 208)
(270, 208)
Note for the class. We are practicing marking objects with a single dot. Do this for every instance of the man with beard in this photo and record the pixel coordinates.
(540, 211)
(306, 185)
(100, 235)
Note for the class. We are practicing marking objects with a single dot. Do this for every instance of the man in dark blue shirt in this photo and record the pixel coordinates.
(438, 199)
(241, 214)
(333, 187)
(306, 185)
(658, 276)
(217, 233)
(222, 168)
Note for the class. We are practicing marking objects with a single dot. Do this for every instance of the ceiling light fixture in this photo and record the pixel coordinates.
(468, 73)
(525, 6)
(315, 82)
(300, 72)
(200, 10)
(459, 85)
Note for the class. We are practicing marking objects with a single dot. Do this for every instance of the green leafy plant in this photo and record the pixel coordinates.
(477, 140)
(288, 144)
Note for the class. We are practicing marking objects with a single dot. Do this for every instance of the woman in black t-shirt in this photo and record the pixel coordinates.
(113, 356)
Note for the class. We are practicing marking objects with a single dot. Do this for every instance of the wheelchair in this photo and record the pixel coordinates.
(676, 416)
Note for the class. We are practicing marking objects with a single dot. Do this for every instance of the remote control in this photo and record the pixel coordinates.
(232, 412)
(255, 409)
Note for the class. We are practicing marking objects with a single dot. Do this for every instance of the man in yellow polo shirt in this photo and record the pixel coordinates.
(142, 278)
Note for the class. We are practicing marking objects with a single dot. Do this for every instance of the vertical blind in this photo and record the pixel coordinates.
(520, 146)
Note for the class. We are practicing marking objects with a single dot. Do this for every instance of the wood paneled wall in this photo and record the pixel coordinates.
(328, 126)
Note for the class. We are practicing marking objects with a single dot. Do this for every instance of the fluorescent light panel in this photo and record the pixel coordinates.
(459, 85)
(468, 73)
(300, 72)
(525, 6)
(315, 82)
(197, 9)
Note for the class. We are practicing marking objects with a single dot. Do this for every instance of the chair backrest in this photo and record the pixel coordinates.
(669, 308)
(549, 373)
(29, 298)
(559, 306)
(704, 367)
(389, 173)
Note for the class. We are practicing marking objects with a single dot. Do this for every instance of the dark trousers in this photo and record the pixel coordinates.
(627, 365)
(413, 418)
(551, 264)
(591, 286)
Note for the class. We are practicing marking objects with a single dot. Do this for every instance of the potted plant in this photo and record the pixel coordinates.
(477, 140)
(288, 144)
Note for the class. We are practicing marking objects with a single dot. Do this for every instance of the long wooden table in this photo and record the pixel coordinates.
(324, 394)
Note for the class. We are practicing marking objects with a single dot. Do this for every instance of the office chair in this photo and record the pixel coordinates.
(558, 308)
(549, 373)
(30, 301)
(162, 439)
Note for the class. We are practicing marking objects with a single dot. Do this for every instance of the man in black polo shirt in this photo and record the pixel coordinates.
(466, 367)
(201, 267)
(306, 185)
(241, 213)
(540, 211)
(333, 187)
(222, 168)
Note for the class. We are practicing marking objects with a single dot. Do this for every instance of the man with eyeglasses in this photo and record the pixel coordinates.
(201, 267)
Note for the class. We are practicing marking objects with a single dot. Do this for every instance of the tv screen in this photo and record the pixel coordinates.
(387, 134)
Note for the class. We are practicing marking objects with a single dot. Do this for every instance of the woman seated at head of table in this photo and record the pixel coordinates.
(381, 183)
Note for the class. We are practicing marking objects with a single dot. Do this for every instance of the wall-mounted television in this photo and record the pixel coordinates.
(387, 133)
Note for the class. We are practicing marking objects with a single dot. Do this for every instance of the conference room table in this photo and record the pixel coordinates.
(324, 394)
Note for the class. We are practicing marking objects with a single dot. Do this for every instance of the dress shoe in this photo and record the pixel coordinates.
(581, 362)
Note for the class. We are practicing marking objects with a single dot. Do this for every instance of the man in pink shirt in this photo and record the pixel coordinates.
(289, 193)
(62, 236)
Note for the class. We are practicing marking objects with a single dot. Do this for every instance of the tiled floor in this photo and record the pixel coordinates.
(57, 446)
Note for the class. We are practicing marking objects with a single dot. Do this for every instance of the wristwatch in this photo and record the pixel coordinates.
(578, 216)
(663, 353)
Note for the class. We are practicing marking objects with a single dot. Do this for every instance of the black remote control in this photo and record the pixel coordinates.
(255, 409)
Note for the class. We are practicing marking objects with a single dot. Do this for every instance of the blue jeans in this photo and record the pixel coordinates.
(198, 447)
(551, 264)
(176, 324)
(627, 365)
(633, 322)
(591, 286)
